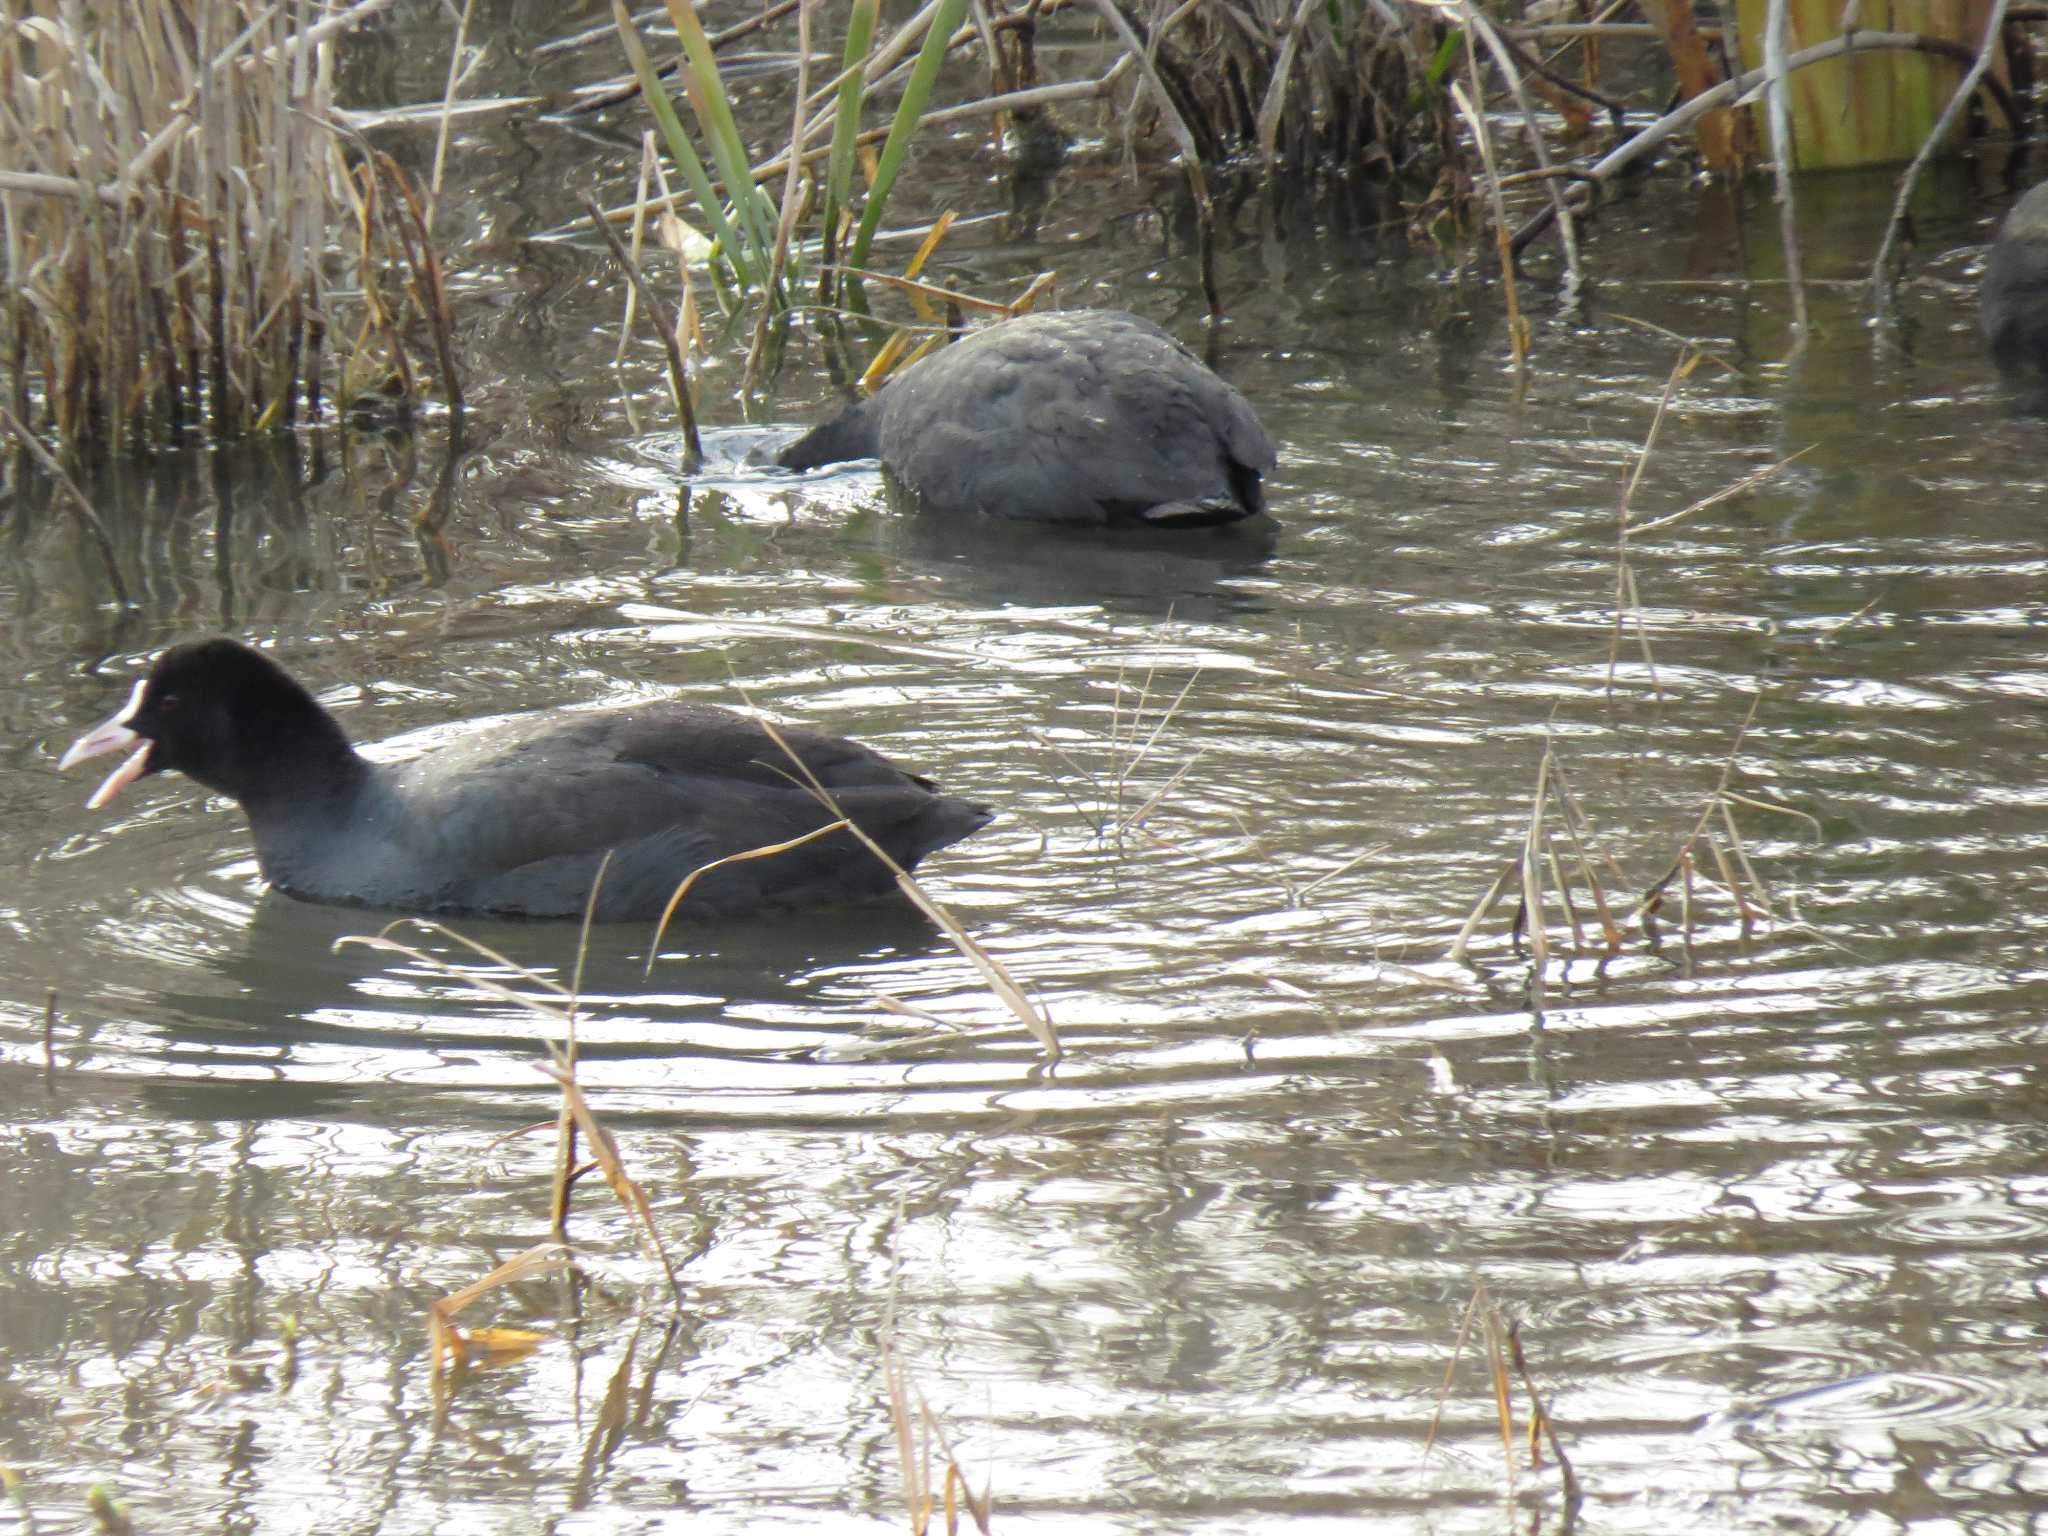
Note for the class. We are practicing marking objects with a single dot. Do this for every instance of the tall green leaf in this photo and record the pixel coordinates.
(916, 92)
(680, 150)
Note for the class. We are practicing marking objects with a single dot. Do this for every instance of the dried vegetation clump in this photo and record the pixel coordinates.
(179, 211)
(1353, 85)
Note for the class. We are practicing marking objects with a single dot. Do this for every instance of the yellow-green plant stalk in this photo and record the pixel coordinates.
(1874, 108)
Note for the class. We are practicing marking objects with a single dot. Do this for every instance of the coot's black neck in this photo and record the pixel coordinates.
(287, 750)
(855, 433)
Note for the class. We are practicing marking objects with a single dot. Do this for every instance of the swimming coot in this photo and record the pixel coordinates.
(1078, 416)
(2012, 301)
(514, 820)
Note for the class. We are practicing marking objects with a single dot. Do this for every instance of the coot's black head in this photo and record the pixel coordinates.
(227, 716)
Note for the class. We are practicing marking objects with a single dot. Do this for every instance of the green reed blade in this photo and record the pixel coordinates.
(713, 111)
(916, 92)
(680, 150)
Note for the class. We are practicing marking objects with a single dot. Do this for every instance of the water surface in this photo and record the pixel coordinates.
(1767, 1208)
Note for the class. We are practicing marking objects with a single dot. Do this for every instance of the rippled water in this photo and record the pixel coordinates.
(1768, 1209)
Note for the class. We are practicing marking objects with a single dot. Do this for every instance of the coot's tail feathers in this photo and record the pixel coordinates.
(855, 433)
(943, 822)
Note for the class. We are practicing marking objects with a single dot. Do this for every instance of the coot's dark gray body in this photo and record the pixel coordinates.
(2012, 302)
(516, 820)
(1079, 416)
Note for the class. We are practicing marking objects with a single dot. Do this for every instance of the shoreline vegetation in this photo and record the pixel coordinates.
(202, 243)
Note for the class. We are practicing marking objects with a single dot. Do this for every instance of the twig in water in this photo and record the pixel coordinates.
(1881, 274)
(658, 317)
(1777, 85)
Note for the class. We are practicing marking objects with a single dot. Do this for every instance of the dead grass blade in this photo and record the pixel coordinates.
(765, 851)
(453, 1345)
(994, 974)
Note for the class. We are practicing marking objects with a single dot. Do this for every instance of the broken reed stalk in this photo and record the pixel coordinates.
(917, 1428)
(1738, 876)
(171, 182)
(453, 1346)
(664, 328)
(994, 974)
(1503, 1345)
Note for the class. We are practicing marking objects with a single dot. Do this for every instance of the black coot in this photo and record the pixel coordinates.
(2012, 302)
(1079, 416)
(515, 820)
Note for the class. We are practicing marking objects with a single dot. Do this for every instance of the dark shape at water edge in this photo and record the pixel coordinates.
(2012, 300)
(1089, 417)
(515, 821)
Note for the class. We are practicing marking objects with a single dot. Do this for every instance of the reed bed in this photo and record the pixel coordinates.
(191, 246)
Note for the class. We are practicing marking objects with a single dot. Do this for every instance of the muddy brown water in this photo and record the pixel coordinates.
(1770, 1216)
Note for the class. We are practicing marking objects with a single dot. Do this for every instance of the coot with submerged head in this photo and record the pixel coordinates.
(1085, 417)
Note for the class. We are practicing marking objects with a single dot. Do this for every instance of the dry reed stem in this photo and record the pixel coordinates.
(1474, 21)
(1518, 327)
(1504, 1353)
(1625, 596)
(1532, 884)
(649, 158)
(1779, 113)
(1443, 1393)
(605, 1151)
(657, 314)
(1184, 139)
(452, 1344)
(456, 75)
(994, 974)
(1881, 267)
(1540, 1420)
(1681, 119)
(916, 1429)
